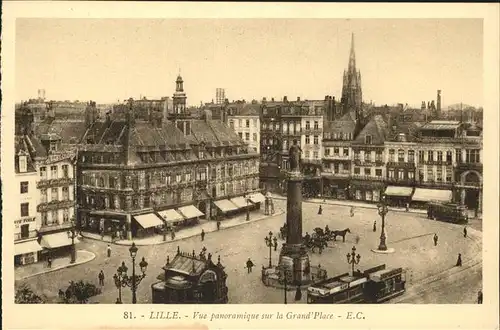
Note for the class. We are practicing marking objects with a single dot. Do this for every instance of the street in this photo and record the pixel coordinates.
(410, 235)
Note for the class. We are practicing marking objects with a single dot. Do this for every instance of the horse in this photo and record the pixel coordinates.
(341, 233)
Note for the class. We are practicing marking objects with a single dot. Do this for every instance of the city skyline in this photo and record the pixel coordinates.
(401, 60)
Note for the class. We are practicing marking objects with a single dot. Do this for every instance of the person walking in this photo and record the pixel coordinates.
(320, 210)
(375, 226)
(109, 251)
(249, 265)
(298, 294)
(172, 234)
(407, 205)
(352, 211)
(218, 224)
(465, 231)
(202, 235)
(459, 260)
(480, 297)
(357, 239)
(49, 262)
(435, 239)
(101, 278)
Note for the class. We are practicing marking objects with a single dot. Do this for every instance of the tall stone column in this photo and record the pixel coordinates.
(294, 259)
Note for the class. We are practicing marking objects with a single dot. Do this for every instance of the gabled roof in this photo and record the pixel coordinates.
(376, 128)
(22, 146)
(442, 125)
(345, 124)
(67, 130)
(214, 133)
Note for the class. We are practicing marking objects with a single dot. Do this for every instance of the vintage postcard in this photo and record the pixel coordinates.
(298, 165)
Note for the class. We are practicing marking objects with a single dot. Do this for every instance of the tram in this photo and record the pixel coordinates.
(373, 286)
(447, 212)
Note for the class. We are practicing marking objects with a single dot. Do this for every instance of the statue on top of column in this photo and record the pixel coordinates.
(295, 157)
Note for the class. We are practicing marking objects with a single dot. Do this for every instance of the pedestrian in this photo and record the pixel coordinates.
(320, 210)
(202, 235)
(352, 211)
(480, 297)
(101, 278)
(435, 239)
(465, 231)
(459, 260)
(357, 239)
(249, 265)
(407, 207)
(109, 251)
(118, 301)
(375, 226)
(172, 234)
(49, 262)
(218, 224)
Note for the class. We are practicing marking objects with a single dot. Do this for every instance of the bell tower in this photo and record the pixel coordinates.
(179, 97)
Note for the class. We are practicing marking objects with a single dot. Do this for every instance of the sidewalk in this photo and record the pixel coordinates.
(207, 226)
(27, 271)
(352, 203)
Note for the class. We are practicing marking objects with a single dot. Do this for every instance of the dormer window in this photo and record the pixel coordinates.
(23, 163)
(368, 139)
(201, 154)
(53, 146)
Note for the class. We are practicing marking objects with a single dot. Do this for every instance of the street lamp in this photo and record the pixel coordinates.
(72, 234)
(382, 211)
(271, 243)
(247, 198)
(122, 279)
(353, 259)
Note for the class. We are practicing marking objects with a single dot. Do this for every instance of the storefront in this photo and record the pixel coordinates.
(368, 191)
(191, 214)
(335, 188)
(173, 219)
(26, 252)
(226, 208)
(398, 196)
(422, 196)
(243, 203)
(257, 199)
(56, 244)
(104, 223)
(146, 225)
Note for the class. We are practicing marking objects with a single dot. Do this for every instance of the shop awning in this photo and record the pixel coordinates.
(171, 215)
(27, 247)
(56, 240)
(225, 205)
(427, 195)
(240, 202)
(258, 198)
(148, 220)
(190, 212)
(398, 191)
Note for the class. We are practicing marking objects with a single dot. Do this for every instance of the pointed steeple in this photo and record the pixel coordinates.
(352, 56)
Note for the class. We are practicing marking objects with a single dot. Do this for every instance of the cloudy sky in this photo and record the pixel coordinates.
(401, 61)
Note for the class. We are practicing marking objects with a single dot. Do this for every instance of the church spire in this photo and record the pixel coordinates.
(352, 56)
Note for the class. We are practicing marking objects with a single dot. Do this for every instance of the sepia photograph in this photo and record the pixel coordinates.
(247, 161)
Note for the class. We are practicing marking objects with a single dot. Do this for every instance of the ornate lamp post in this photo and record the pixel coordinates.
(382, 211)
(247, 199)
(353, 259)
(271, 242)
(72, 234)
(122, 279)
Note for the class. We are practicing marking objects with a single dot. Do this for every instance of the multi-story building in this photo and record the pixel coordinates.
(337, 155)
(26, 222)
(368, 170)
(135, 175)
(245, 121)
(271, 147)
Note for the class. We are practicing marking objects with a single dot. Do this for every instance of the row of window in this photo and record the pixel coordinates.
(54, 172)
(338, 136)
(401, 174)
(240, 122)
(54, 217)
(247, 136)
(336, 151)
(471, 155)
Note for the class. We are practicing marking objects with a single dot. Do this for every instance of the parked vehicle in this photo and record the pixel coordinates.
(448, 212)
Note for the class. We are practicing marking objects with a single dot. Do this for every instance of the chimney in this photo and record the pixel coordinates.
(298, 98)
(438, 106)
(326, 98)
(208, 115)
(131, 113)
(272, 99)
(285, 99)
(264, 100)
(165, 111)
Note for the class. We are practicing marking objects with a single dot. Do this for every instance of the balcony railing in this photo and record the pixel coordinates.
(442, 184)
(401, 164)
(360, 162)
(292, 133)
(437, 162)
(457, 140)
(55, 226)
(343, 175)
(55, 205)
(338, 156)
(312, 131)
(367, 177)
(44, 184)
(401, 181)
(470, 166)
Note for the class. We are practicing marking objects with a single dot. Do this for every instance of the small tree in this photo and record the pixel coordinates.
(24, 295)
(78, 292)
